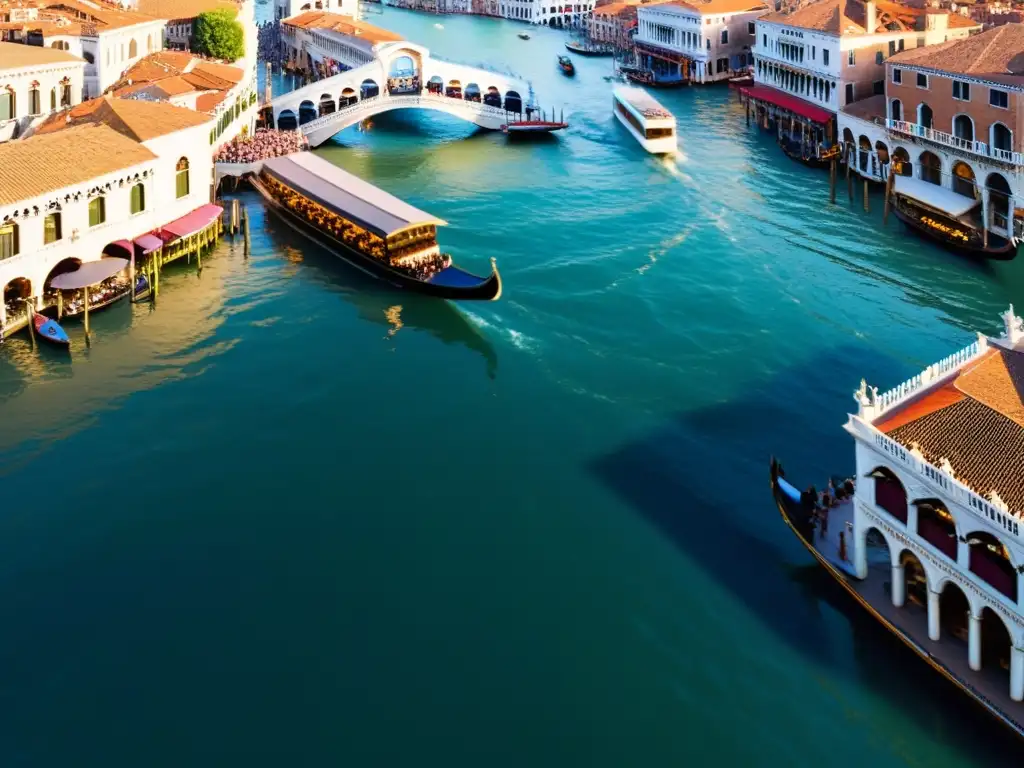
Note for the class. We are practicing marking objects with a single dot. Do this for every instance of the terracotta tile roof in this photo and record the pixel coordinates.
(997, 54)
(208, 101)
(845, 17)
(16, 55)
(41, 164)
(866, 109)
(614, 9)
(72, 17)
(136, 119)
(985, 449)
(345, 25)
(721, 6)
(976, 422)
(998, 382)
(184, 9)
(103, 14)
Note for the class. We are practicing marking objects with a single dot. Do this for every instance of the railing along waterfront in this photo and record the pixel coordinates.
(933, 373)
(927, 472)
(369, 106)
(955, 142)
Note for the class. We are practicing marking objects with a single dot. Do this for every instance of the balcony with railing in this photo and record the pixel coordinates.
(944, 139)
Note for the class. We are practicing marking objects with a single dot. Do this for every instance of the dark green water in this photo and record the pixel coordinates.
(287, 517)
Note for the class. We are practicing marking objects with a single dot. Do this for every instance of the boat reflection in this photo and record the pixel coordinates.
(397, 311)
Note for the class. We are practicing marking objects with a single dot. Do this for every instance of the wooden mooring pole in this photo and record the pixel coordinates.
(849, 179)
(888, 192)
(235, 206)
(31, 325)
(832, 173)
(131, 279)
(85, 302)
(245, 233)
(866, 208)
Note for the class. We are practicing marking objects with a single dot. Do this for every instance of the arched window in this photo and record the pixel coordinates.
(8, 105)
(35, 106)
(963, 181)
(924, 115)
(181, 178)
(896, 109)
(931, 168)
(999, 196)
(89, 58)
(133, 49)
(53, 99)
(51, 228)
(963, 127)
(935, 525)
(1001, 137)
(901, 162)
(8, 240)
(65, 93)
(97, 211)
(890, 494)
(990, 562)
(149, 43)
(138, 198)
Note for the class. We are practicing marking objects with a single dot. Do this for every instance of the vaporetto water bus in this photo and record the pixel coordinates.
(650, 123)
(928, 535)
(367, 227)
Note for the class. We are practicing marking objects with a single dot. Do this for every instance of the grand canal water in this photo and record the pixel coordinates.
(286, 516)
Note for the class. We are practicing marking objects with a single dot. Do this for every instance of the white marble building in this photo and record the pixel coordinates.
(34, 83)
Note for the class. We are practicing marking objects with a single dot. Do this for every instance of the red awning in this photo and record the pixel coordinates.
(148, 243)
(786, 101)
(193, 222)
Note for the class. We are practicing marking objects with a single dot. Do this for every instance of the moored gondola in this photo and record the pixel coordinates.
(370, 229)
(50, 331)
(589, 50)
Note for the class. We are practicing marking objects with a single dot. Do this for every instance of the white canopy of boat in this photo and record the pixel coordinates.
(357, 200)
(934, 196)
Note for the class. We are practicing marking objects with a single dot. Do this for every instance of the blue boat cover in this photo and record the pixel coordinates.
(52, 330)
(453, 277)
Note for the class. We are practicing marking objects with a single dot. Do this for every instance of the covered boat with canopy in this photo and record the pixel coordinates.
(369, 228)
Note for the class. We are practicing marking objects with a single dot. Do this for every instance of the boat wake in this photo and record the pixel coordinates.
(518, 339)
(664, 247)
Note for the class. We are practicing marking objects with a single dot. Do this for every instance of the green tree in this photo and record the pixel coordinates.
(218, 34)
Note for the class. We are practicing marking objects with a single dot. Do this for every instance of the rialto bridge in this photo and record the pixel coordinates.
(403, 76)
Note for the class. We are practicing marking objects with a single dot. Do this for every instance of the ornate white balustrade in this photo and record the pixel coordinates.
(979, 148)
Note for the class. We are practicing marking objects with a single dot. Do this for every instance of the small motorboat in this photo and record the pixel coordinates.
(523, 36)
(534, 127)
(142, 289)
(439, 26)
(565, 64)
(49, 330)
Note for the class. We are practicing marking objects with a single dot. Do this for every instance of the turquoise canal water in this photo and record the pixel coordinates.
(288, 517)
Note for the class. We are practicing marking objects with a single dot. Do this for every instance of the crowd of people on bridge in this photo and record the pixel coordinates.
(262, 145)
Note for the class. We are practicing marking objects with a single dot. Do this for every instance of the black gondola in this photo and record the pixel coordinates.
(952, 234)
(565, 64)
(378, 221)
(798, 512)
(589, 50)
(806, 153)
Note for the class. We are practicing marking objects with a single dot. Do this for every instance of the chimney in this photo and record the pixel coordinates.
(870, 17)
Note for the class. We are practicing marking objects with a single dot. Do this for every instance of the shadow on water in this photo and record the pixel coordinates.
(379, 303)
(713, 461)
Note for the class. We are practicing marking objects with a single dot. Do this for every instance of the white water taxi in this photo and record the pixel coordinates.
(650, 123)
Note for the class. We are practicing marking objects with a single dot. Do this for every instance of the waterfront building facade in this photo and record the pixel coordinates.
(811, 62)
(698, 43)
(950, 118)
(109, 38)
(125, 169)
(613, 23)
(941, 493)
(34, 83)
(330, 41)
(180, 15)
